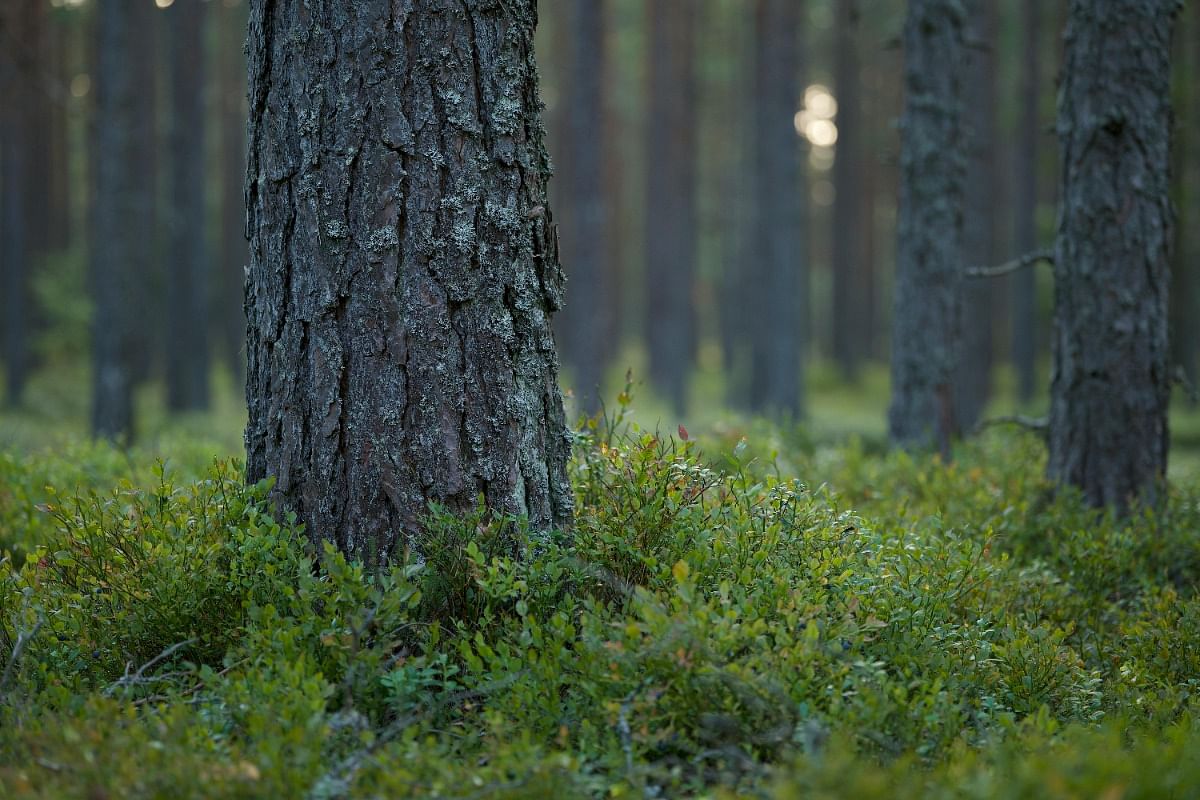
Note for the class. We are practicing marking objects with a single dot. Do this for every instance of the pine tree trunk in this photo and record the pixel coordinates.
(231, 321)
(14, 250)
(670, 198)
(1024, 320)
(851, 314)
(929, 255)
(403, 270)
(187, 271)
(114, 224)
(782, 279)
(148, 266)
(1112, 381)
(982, 208)
(585, 233)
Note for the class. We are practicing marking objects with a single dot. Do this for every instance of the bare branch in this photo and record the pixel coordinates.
(23, 639)
(1038, 425)
(1027, 260)
(128, 680)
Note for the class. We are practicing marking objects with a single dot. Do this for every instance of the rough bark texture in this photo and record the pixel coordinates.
(187, 273)
(403, 269)
(1185, 332)
(1111, 383)
(587, 323)
(982, 209)
(114, 224)
(851, 309)
(1024, 284)
(781, 281)
(929, 256)
(670, 198)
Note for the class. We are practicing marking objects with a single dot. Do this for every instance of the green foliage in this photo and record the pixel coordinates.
(719, 622)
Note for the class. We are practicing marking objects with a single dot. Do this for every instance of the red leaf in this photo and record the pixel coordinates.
(683, 434)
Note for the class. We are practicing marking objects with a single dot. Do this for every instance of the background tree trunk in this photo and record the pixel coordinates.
(929, 257)
(187, 273)
(1112, 381)
(114, 224)
(851, 309)
(781, 282)
(1184, 328)
(231, 277)
(403, 270)
(670, 198)
(585, 234)
(148, 266)
(982, 211)
(14, 248)
(1024, 283)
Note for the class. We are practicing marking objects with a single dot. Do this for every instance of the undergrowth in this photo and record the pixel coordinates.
(722, 621)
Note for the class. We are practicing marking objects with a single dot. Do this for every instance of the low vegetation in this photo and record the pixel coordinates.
(722, 622)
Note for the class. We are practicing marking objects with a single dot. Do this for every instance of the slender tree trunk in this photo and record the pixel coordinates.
(188, 276)
(736, 308)
(1024, 321)
(114, 224)
(1112, 381)
(782, 281)
(929, 254)
(974, 380)
(231, 322)
(585, 232)
(403, 270)
(14, 250)
(670, 198)
(851, 314)
(147, 266)
(1184, 328)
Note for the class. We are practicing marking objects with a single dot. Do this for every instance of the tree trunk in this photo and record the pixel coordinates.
(974, 378)
(231, 319)
(1112, 381)
(187, 273)
(782, 280)
(14, 250)
(1184, 330)
(585, 233)
(929, 253)
(1024, 320)
(403, 270)
(851, 311)
(670, 198)
(114, 224)
(147, 268)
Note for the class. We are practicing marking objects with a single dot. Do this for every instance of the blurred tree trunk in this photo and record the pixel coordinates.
(14, 246)
(231, 319)
(1112, 378)
(781, 283)
(929, 259)
(736, 305)
(1024, 284)
(670, 198)
(403, 270)
(584, 206)
(851, 308)
(982, 211)
(188, 276)
(147, 267)
(58, 178)
(114, 223)
(1184, 328)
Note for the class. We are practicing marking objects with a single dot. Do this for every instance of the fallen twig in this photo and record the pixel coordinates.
(1027, 260)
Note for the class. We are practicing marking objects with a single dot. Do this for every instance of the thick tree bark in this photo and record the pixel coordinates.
(670, 198)
(781, 309)
(1024, 296)
(1112, 381)
(982, 209)
(1185, 332)
(114, 224)
(585, 231)
(851, 308)
(929, 254)
(403, 269)
(231, 319)
(187, 273)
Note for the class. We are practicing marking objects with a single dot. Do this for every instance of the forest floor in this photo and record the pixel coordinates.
(760, 611)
